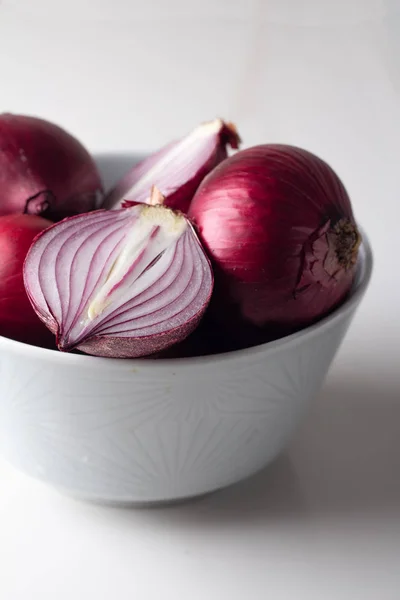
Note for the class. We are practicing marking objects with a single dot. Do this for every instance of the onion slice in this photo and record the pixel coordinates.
(177, 169)
(123, 283)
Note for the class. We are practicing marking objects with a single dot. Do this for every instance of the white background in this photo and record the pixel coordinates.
(323, 522)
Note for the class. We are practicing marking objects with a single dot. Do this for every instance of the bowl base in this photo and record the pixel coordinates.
(132, 504)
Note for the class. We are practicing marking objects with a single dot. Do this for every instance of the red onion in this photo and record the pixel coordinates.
(17, 318)
(279, 229)
(44, 170)
(122, 283)
(178, 168)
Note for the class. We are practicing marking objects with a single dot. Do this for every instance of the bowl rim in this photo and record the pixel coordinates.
(266, 349)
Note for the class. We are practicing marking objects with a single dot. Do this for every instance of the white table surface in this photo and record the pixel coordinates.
(323, 522)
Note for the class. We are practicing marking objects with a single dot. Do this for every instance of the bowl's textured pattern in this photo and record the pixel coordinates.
(157, 433)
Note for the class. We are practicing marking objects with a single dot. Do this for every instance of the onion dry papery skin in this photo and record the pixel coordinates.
(18, 320)
(278, 226)
(44, 170)
(123, 283)
(177, 169)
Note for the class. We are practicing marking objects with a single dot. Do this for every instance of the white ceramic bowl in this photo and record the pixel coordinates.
(143, 431)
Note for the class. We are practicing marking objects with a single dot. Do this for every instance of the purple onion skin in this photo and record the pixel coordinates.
(18, 320)
(278, 226)
(44, 170)
(119, 347)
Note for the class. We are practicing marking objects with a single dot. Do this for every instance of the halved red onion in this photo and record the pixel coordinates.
(123, 283)
(177, 169)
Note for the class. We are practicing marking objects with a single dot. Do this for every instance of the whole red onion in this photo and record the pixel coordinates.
(44, 170)
(17, 317)
(279, 228)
